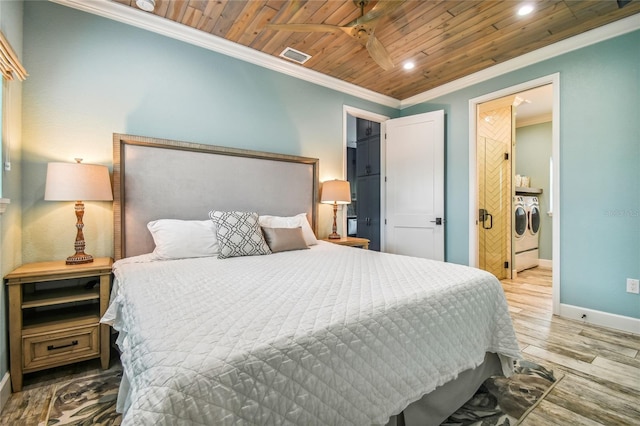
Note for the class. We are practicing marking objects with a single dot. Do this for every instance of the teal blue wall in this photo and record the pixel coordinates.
(532, 154)
(600, 172)
(91, 77)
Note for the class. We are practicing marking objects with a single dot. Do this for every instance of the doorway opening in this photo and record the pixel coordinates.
(364, 163)
(411, 189)
(510, 212)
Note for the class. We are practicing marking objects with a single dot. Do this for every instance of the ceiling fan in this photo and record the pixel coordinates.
(361, 29)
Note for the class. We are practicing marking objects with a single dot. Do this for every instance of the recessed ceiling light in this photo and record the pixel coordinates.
(525, 9)
(409, 65)
(146, 5)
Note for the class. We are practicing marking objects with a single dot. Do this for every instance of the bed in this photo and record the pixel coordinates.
(321, 334)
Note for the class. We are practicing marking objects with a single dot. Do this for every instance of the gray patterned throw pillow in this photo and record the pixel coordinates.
(239, 234)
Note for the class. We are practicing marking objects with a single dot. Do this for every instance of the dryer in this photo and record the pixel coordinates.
(532, 206)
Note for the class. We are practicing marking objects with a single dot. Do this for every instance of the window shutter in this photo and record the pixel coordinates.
(10, 65)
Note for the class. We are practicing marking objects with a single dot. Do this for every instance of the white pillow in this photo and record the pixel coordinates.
(179, 239)
(299, 220)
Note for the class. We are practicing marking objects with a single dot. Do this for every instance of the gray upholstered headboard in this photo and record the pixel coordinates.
(163, 179)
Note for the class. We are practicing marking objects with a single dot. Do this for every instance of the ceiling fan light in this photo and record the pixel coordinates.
(146, 5)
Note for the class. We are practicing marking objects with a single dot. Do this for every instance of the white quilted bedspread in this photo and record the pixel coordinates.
(331, 335)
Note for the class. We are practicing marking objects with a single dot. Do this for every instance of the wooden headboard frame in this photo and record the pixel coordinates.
(164, 179)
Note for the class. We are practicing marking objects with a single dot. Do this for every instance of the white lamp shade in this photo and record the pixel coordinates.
(336, 191)
(77, 182)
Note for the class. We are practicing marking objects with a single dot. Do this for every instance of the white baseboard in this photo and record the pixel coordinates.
(603, 319)
(5, 390)
(545, 263)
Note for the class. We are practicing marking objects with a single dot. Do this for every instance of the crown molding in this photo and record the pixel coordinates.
(148, 21)
(615, 29)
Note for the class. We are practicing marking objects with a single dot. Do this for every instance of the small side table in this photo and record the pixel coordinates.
(350, 241)
(54, 315)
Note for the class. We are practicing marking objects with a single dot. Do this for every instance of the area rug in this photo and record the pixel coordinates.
(499, 401)
(86, 401)
(504, 401)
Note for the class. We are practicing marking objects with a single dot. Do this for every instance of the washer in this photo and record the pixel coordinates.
(527, 253)
(520, 222)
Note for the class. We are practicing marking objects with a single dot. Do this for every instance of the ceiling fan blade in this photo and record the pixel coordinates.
(378, 53)
(294, 6)
(380, 10)
(308, 28)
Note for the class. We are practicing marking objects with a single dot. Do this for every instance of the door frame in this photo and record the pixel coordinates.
(553, 79)
(378, 118)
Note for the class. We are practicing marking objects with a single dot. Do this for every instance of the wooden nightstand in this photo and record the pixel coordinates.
(54, 315)
(350, 241)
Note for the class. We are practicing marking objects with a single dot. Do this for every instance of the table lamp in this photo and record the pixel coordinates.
(335, 192)
(78, 182)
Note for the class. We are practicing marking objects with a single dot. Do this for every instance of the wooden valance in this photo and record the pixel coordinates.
(10, 65)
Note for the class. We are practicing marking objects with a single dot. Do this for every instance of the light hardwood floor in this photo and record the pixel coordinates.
(601, 367)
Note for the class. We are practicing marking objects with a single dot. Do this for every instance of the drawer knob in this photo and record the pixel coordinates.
(52, 347)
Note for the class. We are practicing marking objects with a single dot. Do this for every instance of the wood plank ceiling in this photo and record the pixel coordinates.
(447, 40)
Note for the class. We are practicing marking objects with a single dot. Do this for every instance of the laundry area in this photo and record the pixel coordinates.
(514, 180)
(532, 224)
(526, 229)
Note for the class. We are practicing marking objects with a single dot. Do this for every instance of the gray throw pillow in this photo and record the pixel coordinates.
(238, 234)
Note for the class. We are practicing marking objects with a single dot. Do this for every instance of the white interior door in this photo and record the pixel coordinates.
(414, 208)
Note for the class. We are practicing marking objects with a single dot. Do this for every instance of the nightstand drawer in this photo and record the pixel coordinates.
(46, 350)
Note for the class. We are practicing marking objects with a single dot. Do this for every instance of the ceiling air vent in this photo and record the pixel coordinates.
(295, 55)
